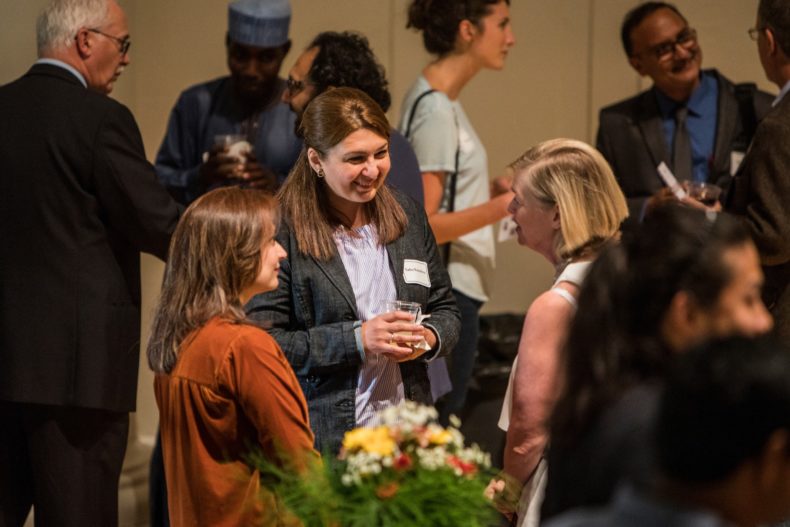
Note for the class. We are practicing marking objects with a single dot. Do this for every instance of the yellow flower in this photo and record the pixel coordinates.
(440, 437)
(373, 440)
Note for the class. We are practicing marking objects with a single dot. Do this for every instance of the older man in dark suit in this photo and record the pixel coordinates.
(78, 202)
(761, 189)
(696, 121)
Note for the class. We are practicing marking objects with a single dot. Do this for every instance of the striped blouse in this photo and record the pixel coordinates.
(368, 268)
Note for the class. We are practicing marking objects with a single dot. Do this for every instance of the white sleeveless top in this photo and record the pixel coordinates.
(573, 273)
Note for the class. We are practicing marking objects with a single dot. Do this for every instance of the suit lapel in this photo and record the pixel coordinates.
(649, 122)
(335, 272)
(726, 122)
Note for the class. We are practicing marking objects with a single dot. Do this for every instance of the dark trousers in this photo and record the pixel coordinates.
(461, 361)
(157, 487)
(64, 461)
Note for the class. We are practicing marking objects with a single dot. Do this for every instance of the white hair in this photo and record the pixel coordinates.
(58, 24)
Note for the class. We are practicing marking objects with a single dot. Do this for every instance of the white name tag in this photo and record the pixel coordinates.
(416, 272)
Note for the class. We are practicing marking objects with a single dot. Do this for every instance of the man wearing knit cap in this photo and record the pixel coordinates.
(194, 157)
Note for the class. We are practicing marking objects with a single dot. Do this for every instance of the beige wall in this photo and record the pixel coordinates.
(566, 64)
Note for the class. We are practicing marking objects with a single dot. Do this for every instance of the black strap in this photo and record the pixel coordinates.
(451, 179)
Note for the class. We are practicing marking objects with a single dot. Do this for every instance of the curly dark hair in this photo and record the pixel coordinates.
(345, 59)
(438, 20)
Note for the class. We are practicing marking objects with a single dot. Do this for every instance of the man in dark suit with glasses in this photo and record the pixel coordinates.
(696, 121)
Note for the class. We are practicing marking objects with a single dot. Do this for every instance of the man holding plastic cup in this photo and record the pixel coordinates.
(212, 122)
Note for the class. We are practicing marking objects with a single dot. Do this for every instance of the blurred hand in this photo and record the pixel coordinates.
(379, 335)
(257, 176)
(696, 204)
(502, 184)
(659, 199)
(219, 166)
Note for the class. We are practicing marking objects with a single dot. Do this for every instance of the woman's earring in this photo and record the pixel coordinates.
(320, 173)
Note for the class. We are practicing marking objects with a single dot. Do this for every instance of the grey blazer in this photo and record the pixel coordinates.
(631, 138)
(312, 315)
(759, 197)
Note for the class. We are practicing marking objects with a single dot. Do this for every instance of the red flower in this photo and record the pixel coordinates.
(402, 462)
(465, 467)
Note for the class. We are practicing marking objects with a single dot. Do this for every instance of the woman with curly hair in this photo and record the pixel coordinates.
(466, 36)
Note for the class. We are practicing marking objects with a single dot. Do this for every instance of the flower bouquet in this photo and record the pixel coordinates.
(409, 471)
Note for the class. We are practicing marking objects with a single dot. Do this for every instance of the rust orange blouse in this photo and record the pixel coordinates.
(231, 391)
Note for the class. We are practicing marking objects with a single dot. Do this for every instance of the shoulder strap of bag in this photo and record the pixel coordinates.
(451, 179)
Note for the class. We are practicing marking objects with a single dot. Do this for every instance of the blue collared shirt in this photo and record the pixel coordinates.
(701, 123)
(69, 67)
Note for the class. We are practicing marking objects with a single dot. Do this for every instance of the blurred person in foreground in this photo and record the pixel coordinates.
(354, 245)
(79, 202)
(223, 386)
(679, 278)
(723, 444)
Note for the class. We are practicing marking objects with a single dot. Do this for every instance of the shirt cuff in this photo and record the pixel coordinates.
(358, 339)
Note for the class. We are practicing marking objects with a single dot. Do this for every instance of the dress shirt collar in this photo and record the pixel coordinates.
(696, 103)
(68, 67)
(782, 93)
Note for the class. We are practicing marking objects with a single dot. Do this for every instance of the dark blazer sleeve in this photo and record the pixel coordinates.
(621, 141)
(133, 200)
(762, 186)
(313, 325)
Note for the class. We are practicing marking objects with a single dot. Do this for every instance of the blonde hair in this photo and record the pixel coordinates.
(214, 254)
(328, 120)
(575, 177)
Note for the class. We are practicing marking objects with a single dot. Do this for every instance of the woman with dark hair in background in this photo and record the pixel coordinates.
(466, 36)
(353, 246)
(223, 387)
(682, 277)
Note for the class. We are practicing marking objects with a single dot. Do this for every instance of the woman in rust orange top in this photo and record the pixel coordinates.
(223, 386)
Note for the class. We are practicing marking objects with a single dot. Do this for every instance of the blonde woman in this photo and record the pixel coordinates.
(567, 206)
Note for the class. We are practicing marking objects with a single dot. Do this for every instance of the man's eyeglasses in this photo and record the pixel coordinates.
(123, 43)
(754, 32)
(666, 50)
(294, 86)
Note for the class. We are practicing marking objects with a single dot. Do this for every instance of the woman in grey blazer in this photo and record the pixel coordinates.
(353, 245)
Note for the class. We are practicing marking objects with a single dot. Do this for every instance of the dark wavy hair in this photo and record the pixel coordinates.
(635, 17)
(438, 20)
(345, 59)
(615, 340)
(721, 404)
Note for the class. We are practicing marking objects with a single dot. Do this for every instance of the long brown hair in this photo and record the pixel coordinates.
(328, 120)
(215, 252)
